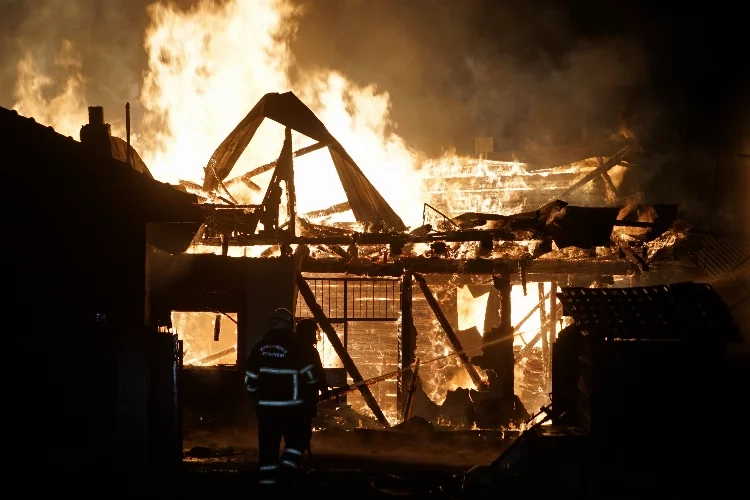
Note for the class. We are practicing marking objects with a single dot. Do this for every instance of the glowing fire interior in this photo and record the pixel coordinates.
(203, 77)
(372, 340)
(207, 67)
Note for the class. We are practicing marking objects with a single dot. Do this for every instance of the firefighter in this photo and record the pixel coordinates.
(307, 333)
(276, 376)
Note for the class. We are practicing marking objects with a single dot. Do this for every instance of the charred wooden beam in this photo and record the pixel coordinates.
(553, 312)
(337, 250)
(448, 329)
(530, 313)
(216, 355)
(191, 185)
(217, 319)
(270, 166)
(351, 368)
(605, 167)
(412, 391)
(335, 209)
(554, 156)
(407, 344)
(633, 257)
(547, 267)
(290, 189)
(268, 252)
(503, 352)
(525, 351)
(546, 358)
(632, 223)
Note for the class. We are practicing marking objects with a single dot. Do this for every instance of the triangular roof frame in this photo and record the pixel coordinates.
(366, 202)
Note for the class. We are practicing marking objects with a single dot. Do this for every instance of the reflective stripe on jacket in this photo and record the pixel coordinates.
(277, 371)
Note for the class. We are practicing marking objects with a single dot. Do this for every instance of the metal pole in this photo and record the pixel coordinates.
(127, 130)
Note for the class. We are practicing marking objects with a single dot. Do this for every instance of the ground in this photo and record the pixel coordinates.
(362, 463)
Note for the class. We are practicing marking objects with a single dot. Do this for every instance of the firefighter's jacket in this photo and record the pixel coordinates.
(280, 372)
(317, 374)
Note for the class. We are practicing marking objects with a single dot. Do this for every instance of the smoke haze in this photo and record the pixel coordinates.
(523, 72)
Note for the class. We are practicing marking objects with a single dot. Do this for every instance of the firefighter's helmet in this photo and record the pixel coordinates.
(307, 331)
(282, 319)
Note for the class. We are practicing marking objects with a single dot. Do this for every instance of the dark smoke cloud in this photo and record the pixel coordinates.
(106, 34)
(456, 70)
(534, 71)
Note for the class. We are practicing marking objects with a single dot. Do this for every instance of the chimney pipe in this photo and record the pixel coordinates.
(127, 129)
(96, 115)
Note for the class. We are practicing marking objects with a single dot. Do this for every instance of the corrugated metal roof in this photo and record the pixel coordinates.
(678, 310)
(725, 255)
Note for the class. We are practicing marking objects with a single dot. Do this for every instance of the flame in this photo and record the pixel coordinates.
(210, 65)
(196, 330)
(471, 310)
(65, 111)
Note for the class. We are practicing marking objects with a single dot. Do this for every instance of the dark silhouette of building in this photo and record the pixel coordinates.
(83, 376)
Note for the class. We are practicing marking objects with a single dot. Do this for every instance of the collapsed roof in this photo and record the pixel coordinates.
(286, 109)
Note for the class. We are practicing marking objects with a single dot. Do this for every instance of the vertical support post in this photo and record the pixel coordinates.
(127, 131)
(546, 358)
(492, 311)
(290, 190)
(346, 314)
(406, 345)
(224, 253)
(501, 353)
(409, 406)
(178, 386)
(552, 326)
(553, 313)
(325, 325)
(242, 350)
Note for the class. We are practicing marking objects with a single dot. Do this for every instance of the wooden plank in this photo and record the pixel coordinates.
(525, 351)
(351, 368)
(411, 392)
(448, 329)
(555, 156)
(546, 358)
(530, 313)
(549, 267)
(334, 209)
(270, 166)
(611, 162)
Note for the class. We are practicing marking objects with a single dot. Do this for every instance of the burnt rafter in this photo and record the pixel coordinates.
(448, 329)
(368, 206)
(351, 368)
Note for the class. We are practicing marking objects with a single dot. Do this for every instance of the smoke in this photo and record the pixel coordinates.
(106, 38)
(523, 72)
(456, 70)
(453, 70)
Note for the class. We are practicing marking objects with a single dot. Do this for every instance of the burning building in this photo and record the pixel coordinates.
(451, 319)
(452, 292)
